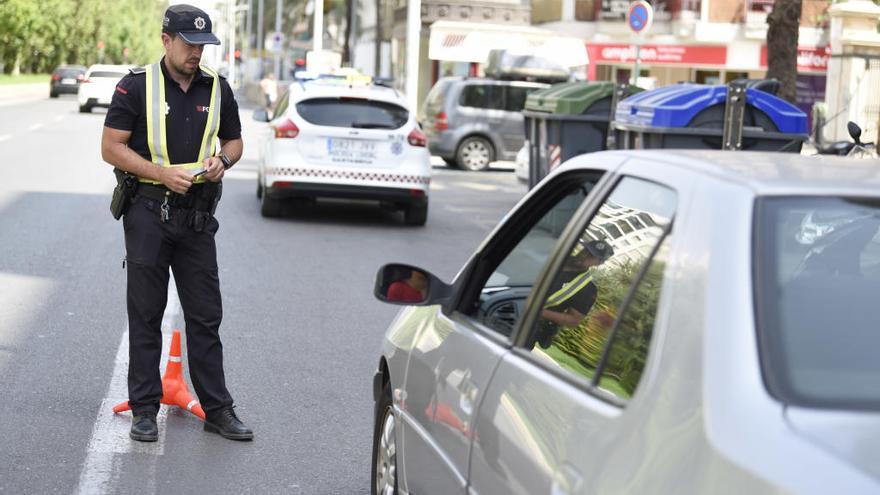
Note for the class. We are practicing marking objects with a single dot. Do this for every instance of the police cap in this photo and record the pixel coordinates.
(600, 249)
(190, 23)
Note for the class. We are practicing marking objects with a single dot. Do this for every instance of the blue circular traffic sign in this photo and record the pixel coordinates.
(640, 16)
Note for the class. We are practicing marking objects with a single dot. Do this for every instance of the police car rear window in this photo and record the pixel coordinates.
(109, 74)
(352, 112)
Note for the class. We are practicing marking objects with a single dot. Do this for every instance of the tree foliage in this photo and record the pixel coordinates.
(37, 36)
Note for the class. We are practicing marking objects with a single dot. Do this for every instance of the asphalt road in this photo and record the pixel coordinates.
(301, 328)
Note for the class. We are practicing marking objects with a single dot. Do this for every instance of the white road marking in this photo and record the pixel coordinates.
(110, 434)
(59, 118)
(4, 137)
(35, 127)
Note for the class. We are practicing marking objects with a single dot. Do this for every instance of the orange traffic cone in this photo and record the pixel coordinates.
(174, 389)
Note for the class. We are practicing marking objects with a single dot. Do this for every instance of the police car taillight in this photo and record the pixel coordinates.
(417, 138)
(286, 129)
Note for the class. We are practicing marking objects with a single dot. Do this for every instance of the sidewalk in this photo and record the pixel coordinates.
(11, 94)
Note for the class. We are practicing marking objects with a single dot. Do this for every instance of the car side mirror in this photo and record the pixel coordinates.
(408, 285)
(855, 132)
(261, 115)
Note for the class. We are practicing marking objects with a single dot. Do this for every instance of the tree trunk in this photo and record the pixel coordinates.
(782, 42)
(377, 62)
(346, 46)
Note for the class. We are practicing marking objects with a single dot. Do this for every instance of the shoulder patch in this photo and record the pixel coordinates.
(138, 70)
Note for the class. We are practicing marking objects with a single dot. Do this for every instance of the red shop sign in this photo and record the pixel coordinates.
(659, 54)
(809, 58)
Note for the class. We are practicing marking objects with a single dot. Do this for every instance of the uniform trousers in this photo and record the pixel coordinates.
(152, 247)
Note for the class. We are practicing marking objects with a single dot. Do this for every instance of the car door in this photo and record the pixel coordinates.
(558, 415)
(457, 350)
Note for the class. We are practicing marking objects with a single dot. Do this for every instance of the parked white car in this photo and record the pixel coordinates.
(333, 138)
(96, 90)
(646, 322)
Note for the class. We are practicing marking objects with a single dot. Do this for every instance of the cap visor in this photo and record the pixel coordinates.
(199, 38)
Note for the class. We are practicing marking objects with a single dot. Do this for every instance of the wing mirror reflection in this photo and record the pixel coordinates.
(261, 115)
(404, 284)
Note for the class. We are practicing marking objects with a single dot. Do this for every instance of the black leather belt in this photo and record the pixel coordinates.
(159, 193)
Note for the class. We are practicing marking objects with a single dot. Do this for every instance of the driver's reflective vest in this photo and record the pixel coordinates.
(157, 138)
(569, 289)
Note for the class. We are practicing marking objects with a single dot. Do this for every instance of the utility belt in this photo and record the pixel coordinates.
(197, 198)
(201, 198)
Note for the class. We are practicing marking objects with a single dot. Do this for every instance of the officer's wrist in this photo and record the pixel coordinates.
(227, 163)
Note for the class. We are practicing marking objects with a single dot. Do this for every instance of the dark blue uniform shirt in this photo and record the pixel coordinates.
(185, 122)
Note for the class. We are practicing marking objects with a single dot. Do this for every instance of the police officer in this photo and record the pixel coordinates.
(162, 127)
(573, 292)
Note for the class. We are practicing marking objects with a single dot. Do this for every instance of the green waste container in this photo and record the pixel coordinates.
(569, 119)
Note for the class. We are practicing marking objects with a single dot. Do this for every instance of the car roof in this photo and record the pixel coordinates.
(300, 91)
(768, 173)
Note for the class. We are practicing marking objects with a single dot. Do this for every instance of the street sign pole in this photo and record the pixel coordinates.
(639, 18)
(318, 29)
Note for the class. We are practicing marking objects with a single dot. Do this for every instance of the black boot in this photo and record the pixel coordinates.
(227, 425)
(144, 428)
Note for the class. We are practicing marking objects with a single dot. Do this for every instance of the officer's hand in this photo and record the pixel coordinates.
(214, 169)
(176, 179)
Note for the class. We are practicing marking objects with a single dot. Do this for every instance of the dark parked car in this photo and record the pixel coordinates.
(66, 79)
(473, 122)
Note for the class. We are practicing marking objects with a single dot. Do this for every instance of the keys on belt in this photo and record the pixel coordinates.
(165, 210)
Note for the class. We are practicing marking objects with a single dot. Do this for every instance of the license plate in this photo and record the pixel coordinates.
(68, 81)
(351, 150)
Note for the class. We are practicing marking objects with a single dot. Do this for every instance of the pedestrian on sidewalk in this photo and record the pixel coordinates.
(162, 127)
(269, 87)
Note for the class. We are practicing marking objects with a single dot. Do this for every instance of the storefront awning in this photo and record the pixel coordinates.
(472, 42)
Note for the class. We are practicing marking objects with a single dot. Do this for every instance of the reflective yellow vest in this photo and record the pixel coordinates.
(157, 139)
(568, 290)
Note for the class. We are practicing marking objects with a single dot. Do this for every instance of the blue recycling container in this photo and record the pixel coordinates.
(691, 116)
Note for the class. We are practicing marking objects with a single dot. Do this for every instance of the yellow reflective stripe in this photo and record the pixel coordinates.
(151, 119)
(569, 290)
(212, 124)
(160, 112)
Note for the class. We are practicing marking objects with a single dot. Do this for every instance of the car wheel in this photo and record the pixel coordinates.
(416, 214)
(384, 480)
(53, 95)
(270, 207)
(475, 153)
(85, 109)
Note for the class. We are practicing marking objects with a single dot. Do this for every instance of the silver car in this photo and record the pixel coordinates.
(646, 322)
(473, 122)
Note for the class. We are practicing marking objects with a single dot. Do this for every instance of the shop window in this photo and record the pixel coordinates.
(733, 75)
(707, 77)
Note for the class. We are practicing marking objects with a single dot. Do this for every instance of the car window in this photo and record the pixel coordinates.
(503, 295)
(817, 277)
(516, 98)
(489, 96)
(107, 74)
(70, 72)
(435, 97)
(604, 297)
(352, 112)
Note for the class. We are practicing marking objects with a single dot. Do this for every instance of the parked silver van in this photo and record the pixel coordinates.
(473, 122)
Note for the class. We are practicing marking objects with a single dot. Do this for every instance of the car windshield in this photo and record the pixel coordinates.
(817, 278)
(352, 112)
(105, 73)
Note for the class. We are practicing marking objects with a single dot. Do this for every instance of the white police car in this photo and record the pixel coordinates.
(344, 138)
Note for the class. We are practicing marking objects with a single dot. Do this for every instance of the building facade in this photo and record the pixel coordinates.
(704, 41)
